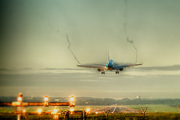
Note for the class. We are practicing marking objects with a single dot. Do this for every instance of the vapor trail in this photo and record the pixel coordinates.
(125, 28)
(130, 41)
(71, 50)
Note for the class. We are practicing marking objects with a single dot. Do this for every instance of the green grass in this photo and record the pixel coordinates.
(7, 109)
(50, 108)
(117, 116)
(155, 108)
(60, 108)
(151, 108)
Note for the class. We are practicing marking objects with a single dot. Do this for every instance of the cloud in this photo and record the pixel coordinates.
(88, 80)
(137, 71)
(66, 70)
(43, 70)
(60, 69)
(15, 70)
(27, 68)
(154, 71)
(160, 68)
(4, 70)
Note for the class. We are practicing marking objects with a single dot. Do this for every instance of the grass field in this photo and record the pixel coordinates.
(6, 109)
(50, 108)
(155, 108)
(30, 109)
(151, 108)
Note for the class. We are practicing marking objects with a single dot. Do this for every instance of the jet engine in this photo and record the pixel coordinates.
(121, 69)
(98, 69)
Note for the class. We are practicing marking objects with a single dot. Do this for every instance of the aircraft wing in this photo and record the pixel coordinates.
(118, 66)
(101, 66)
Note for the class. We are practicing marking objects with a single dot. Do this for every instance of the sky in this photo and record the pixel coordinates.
(34, 54)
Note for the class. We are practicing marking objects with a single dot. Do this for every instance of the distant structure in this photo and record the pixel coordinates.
(150, 98)
(138, 97)
(118, 98)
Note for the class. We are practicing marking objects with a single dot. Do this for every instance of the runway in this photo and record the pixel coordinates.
(116, 109)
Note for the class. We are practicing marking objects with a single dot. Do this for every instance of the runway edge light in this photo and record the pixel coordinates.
(71, 110)
(55, 110)
(39, 111)
(46, 101)
(72, 101)
(20, 97)
(87, 110)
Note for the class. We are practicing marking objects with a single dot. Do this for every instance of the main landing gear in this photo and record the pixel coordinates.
(102, 72)
(117, 72)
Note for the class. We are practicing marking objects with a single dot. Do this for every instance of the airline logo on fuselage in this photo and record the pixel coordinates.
(109, 66)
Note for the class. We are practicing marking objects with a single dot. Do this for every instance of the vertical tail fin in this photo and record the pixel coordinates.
(107, 64)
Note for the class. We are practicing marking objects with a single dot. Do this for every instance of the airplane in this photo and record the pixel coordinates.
(110, 65)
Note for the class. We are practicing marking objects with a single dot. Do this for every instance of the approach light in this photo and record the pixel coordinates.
(87, 110)
(39, 111)
(72, 99)
(55, 114)
(20, 97)
(46, 98)
(71, 109)
(24, 111)
(55, 109)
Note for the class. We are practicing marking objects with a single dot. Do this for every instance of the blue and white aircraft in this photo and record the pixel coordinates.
(110, 65)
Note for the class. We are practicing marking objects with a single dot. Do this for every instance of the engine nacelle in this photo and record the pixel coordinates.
(121, 69)
(98, 69)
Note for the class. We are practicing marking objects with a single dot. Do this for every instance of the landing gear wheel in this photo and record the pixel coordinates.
(103, 72)
(117, 72)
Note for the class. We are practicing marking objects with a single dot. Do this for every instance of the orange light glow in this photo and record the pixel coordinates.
(24, 111)
(46, 98)
(72, 99)
(19, 99)
(55, 109)
(87, 110)
(39, 111)
(71, 110)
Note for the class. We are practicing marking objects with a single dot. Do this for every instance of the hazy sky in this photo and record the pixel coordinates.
(33, 42)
